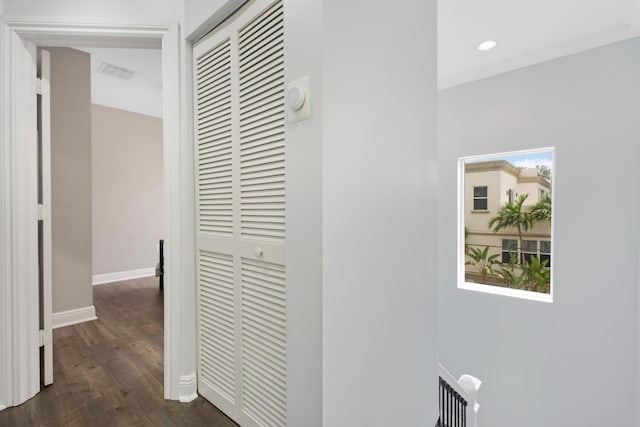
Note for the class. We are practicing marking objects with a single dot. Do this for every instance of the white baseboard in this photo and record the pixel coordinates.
(100, 279)
(72, 317)
(188, 388)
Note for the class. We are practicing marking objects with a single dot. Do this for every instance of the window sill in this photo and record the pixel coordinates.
(507, 292)
(480, 212)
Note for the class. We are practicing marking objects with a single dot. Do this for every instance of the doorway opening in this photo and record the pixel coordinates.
(20, 303)
(106, 214)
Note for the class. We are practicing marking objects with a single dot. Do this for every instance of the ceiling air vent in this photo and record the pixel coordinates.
(115, 71)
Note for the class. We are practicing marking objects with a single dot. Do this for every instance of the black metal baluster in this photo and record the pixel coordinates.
(442, 402)
(464, 414)
(446, 405)
(450, 405)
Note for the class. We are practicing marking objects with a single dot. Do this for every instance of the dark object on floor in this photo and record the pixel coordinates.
(160, 265)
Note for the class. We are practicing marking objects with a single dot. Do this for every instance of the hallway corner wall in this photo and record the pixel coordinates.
(379, 213)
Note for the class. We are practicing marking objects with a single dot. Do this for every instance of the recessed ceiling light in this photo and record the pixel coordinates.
(487, 45)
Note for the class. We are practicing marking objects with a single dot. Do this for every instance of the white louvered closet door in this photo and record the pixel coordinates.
(240, 185)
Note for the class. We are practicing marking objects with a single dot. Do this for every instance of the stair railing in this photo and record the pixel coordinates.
(458, 400)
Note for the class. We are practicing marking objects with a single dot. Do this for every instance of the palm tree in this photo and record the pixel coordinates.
(541, 211)
(513, 215)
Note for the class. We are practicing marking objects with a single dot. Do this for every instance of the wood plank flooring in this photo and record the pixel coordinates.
(109, 372)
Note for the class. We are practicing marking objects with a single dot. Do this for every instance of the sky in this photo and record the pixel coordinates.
(526, 160)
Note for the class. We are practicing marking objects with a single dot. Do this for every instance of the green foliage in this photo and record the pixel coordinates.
(512, 215)
(544, 171)
(509, 277)
(541, 211)
(481, 260)
(536, 275)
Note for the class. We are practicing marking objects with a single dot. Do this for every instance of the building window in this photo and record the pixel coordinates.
(545, 252)
(509, 251)
(480, 201)
(529, 249)
(510, 195)
(542, 194)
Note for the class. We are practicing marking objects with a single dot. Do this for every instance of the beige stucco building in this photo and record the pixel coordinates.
(488, 186)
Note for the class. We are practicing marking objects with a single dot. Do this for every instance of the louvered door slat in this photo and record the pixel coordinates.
(264, 339)
(261, 23)
(214, 139)
(216, 299)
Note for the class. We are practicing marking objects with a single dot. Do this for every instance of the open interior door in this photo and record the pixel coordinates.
(44, 216)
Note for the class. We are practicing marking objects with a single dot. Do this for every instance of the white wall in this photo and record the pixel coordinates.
(303, 46)
(124, 11)
(573, 362)
(379, 198)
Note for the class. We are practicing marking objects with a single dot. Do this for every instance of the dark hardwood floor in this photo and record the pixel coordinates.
(109, 372)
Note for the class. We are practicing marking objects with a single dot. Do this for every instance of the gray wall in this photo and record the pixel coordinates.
(379, 214)
(127, 190)
(573, 362)
(71, 178)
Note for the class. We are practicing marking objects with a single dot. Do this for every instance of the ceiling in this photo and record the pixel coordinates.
(142, 93)
(527, 32)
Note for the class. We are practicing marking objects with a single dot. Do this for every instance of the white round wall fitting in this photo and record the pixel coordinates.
(295, 98)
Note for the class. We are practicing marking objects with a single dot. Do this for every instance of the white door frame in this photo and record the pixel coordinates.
(19, 350)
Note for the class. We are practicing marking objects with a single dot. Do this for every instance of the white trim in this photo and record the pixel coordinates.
(222, 14)
(176, 212)
(536, 58)
(5, 228)
(20, 372)
(101, 279)
(73, 317)
(188, 388)
(507, 292)
(44, 89)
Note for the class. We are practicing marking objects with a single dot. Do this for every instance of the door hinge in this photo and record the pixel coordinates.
(43, 212)
(42, 87)
(41, 337)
